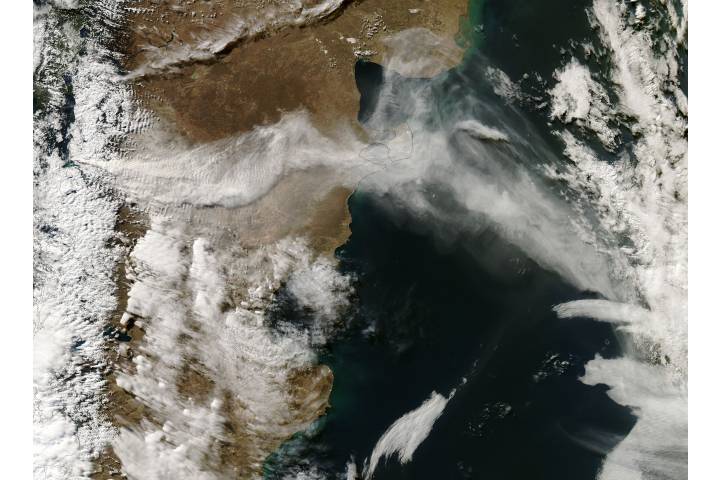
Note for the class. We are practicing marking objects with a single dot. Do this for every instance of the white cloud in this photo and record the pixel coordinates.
(181, 284)
(406, 434)
(578, 98)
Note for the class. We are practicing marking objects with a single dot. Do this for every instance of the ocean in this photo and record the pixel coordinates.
(475, 316)
(465, 312)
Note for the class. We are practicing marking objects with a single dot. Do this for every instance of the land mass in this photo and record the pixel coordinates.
(211, 70)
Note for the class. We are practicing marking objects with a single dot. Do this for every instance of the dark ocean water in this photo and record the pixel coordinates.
(478, 310)
(470, 313)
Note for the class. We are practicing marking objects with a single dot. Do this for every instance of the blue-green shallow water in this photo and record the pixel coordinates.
(473, 314)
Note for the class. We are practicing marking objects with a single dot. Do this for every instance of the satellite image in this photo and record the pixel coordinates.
(370, 239)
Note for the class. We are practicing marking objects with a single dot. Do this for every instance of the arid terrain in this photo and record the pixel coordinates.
(209, 71)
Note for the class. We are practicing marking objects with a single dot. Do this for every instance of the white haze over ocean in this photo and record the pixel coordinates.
(181, 277)
(632, 245)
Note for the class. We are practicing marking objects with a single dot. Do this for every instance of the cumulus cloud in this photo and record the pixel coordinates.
(578, 98)
(181, 284)
(642, 198)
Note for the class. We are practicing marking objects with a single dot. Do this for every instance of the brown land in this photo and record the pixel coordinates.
(242, 453)
(122, 408)
(252, 79)
(257, 77)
